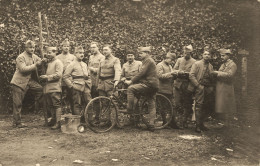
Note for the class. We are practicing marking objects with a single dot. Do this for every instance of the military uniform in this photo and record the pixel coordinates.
(130, 70)
(52, 89)
(76, 77)
(66, 60)
(145, 82)
(109, 70)
(200, 74)
(225, 94)
(94, 61)
(24, 78)
(182, 96)
(165, 76)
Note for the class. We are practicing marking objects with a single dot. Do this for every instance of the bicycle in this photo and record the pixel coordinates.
(103, 113)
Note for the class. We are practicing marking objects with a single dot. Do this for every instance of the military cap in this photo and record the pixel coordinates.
(188, 48)
(225, 51)
(52, 48)
(29, 43)
(144, 49)
(66, 41)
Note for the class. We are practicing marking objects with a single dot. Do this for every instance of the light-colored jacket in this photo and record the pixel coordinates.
(25, 65)
(54, 72)
(76, 75)
(109, 68)
(130, 70)
(182, 65)
(225, 95)
(165, 77)
(94, 61)
(197, 72)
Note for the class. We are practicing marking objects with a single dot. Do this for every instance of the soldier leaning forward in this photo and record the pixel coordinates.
(25, 78)
(76, 77)
(52, 88)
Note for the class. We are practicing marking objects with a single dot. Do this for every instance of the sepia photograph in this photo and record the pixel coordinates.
(129, 82)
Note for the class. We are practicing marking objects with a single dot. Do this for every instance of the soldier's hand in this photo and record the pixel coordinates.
(200, 87)
(44, 60)
(180, 72)
(91, 69)
(214, 73)
(115, 84)
(44, 77)
(38, 63)
(128, 82)
(123, 79)
(174, 72)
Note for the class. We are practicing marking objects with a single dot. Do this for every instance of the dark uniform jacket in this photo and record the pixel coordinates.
(147, 74)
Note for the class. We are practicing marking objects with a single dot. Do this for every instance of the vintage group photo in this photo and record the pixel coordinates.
(129, 82)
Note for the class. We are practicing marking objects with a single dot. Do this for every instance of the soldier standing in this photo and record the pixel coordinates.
(182, 97)
(52, 88)
(94, 61)
(76, 77)
(66, 58)
(225, 95)
(109, 70)
(166, 75)
(25, 78)
(200, 77)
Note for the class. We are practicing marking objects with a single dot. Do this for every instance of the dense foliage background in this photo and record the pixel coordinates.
(126, 24)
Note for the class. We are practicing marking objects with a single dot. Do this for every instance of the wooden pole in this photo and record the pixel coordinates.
(244, 54)
(47, 28)
(40, 35)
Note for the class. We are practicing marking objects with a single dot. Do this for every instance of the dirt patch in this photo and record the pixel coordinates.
(129, 146)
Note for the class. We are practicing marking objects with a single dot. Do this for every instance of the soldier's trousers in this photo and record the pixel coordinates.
(183, 100)
(53, 103)
(67, 92)
(149, 93)
(202, 98)
(80, 100)
(18, 96)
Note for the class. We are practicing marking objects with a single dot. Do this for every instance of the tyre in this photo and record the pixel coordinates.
(164, 112)
(100, 114)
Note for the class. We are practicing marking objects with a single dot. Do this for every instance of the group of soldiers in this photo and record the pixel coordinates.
(182, 81)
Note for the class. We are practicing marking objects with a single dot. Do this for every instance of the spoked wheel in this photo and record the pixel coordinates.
(100, 114)
(164, 112)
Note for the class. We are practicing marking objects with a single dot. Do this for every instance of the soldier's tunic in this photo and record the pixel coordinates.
(164, 72)
(109, 70)
(182, 96)
(52, 88)
(130, 70)
(66, 60)
(24, 78)
(76, 77)
(200, 75)
(94, 61)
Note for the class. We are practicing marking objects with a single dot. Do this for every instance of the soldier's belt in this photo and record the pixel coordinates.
(105, 78)
(79, 77)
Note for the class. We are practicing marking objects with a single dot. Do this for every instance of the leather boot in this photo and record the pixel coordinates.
(198, 127)
(53, 118)
(52, 122)
(58, 118)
